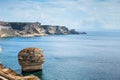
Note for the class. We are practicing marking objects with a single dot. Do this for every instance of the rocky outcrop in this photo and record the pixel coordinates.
(55, 29)
(31, 59)
(9, 74)
(72, 31)
(29, 29)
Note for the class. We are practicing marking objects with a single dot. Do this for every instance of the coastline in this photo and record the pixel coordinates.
(31, 29)
(9, 74)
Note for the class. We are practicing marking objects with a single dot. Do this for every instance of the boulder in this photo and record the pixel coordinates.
(31, 59)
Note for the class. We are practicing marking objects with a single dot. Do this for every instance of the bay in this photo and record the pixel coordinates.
(95, 56)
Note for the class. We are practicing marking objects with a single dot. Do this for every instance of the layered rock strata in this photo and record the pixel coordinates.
(31, 59)
(29, 29)
(9, 74)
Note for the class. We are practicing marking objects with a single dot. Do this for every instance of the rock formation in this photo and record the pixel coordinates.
(31, 59)
(9, 74)
(28, 29)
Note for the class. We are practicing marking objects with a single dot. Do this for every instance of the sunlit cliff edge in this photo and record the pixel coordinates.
(30, 29)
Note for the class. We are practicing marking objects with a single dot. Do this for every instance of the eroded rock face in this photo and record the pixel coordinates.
(31, 29)
(9, 74)
(31, 59)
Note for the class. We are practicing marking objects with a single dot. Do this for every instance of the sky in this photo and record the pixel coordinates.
(78, 14)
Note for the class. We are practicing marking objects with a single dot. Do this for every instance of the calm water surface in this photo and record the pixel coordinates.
(95, 56)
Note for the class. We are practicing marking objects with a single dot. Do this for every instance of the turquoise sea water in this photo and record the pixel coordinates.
(95, 56)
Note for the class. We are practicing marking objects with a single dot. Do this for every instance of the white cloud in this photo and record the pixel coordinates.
(80, 14)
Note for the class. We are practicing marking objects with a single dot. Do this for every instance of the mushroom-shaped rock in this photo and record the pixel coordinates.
(31, 59)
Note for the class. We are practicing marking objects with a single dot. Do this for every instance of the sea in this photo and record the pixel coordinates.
(94, 56)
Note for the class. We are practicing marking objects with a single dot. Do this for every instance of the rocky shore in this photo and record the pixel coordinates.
(9, 74)
(29, 29)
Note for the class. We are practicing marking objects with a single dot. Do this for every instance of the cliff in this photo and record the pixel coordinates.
(28, 29)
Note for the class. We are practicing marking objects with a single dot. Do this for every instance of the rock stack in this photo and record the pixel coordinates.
(31, 59)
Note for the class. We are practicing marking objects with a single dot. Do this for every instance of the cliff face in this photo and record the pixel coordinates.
(31, 29)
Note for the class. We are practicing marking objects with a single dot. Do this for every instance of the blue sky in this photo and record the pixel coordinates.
(78, 14)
